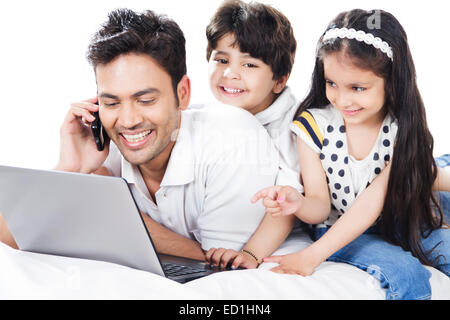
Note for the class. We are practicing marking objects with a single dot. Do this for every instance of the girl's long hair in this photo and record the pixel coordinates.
(407, 215)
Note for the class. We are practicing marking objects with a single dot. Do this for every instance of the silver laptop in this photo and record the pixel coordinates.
(84, 216)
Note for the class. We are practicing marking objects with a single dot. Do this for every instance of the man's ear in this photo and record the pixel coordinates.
(184, 92)
(280, 84)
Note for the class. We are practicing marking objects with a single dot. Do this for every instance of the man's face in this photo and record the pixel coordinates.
(138, 107)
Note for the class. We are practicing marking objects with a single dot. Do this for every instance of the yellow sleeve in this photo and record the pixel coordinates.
(306, 123)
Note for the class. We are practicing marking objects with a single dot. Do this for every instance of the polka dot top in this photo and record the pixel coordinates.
(324, 131)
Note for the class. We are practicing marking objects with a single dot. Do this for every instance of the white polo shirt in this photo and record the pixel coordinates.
(277, 119)
(221, 158)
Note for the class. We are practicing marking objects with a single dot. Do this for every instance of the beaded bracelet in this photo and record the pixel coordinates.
(253, 256)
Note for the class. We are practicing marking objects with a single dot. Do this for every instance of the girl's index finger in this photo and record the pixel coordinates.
(270, 203)
(269, 192)
(259, 195)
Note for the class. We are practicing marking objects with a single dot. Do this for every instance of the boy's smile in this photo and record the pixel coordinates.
(232, 92)
(238, 79)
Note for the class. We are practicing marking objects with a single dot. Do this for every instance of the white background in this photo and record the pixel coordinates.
(43, 67)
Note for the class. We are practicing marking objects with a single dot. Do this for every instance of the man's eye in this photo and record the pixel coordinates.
(110, 104)
(146, 101)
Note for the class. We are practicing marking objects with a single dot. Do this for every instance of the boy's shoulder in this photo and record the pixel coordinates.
(281, 110)
(216, 131)
(218, 115)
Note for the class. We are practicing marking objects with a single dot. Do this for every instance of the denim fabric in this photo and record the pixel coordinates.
(441, 239)
(403, 276)
(444, 161)
(444, 199)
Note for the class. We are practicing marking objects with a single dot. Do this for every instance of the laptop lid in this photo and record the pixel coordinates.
(76, 215)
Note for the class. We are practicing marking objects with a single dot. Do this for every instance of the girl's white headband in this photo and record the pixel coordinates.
(360, 36)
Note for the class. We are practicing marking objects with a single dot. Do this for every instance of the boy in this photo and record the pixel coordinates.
(251, 50)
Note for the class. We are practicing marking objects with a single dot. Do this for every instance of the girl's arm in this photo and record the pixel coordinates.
(316, 204)
(442, 182)
(362, 214)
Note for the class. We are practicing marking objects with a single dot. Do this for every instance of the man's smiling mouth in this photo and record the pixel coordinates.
(135, 138)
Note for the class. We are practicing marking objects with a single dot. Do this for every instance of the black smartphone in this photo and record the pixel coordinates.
(100, 135)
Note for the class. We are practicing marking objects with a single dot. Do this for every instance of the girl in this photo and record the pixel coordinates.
(362, 134)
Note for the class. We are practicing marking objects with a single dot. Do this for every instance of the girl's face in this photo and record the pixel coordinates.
(357, 93)
(238, 79)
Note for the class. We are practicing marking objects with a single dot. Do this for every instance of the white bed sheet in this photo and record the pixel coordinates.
(26, 275)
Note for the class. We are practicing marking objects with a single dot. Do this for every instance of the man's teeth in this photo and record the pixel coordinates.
(137, 137)
(229, 90)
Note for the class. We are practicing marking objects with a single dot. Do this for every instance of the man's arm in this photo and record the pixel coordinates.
(6, 236)
(168, 242)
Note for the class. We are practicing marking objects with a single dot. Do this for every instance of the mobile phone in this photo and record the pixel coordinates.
(99, 133)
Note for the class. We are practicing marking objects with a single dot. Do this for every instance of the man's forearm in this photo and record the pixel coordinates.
(168, 242)
(5, 235)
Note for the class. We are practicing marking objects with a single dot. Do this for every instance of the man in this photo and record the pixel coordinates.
(192, 172)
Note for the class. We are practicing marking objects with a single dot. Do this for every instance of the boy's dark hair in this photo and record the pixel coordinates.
(147, 33)
(260, 30)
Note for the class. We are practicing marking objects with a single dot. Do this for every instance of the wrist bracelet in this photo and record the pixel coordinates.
(252, 255)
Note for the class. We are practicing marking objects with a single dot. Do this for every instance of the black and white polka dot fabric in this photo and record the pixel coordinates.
(324, 130)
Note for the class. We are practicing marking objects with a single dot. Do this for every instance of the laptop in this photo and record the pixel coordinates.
(85, 216)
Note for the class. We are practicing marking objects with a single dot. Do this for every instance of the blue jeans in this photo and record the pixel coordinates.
(444, 161)
(403, 276)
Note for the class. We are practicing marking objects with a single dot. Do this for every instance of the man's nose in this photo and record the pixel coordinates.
(129, 115)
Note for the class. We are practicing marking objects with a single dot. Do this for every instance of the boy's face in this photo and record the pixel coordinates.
(238, 79)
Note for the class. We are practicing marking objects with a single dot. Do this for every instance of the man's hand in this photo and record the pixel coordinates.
(222, 257)
(78, 151)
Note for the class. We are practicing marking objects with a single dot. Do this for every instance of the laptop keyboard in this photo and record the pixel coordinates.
(173, 269)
